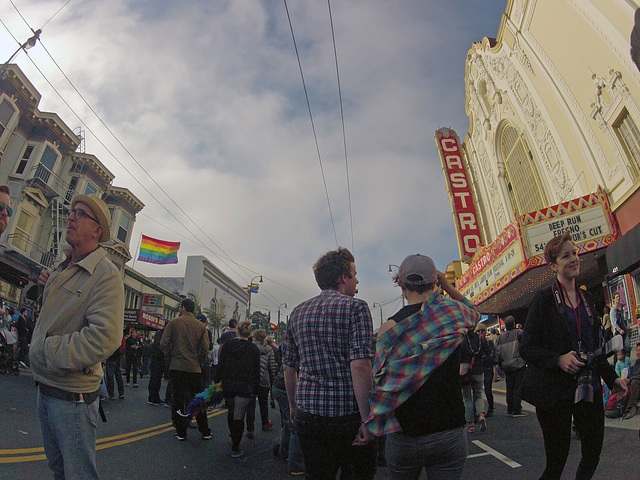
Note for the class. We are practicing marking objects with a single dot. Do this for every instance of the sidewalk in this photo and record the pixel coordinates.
(499, 396)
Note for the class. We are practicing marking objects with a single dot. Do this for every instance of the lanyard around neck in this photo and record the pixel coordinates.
(576, 309)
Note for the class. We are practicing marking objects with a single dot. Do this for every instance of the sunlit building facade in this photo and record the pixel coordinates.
(554, 111)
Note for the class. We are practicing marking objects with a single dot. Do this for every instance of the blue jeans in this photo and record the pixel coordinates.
(442, 454)
(327, 446)
(513, 380)
(113, 369)
(472, 395)
(69, 431)
(290, 448)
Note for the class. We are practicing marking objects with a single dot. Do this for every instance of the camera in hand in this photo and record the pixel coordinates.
(584, 390)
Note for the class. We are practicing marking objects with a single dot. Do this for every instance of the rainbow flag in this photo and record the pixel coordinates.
(253, 288)
(273, 326)
(157, 251)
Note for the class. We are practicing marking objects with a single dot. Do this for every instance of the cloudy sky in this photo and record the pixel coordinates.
(207, 123)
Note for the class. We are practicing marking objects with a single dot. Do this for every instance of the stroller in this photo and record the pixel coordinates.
(8, 352)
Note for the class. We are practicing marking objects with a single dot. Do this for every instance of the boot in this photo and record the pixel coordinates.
(630, 413)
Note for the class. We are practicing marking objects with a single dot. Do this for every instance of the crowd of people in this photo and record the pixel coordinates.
(414, 391)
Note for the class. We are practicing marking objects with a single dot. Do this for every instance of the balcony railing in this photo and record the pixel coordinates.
(50, 183)
(31, 250)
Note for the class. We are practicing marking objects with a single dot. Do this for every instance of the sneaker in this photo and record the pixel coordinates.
(520, 414)
(509, 414)
(155, 403)
(470, 428)
(251, 435)
(181, 438)
(267, 426)
(135, 385)
(237, 453)
(121, 397)
(483, 424)
(128, 384)
(297, 473)
(112, 398)
(489, 413)
(208, 436)
(167, 404)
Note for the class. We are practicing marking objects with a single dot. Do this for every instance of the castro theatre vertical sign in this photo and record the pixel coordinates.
(460, 195)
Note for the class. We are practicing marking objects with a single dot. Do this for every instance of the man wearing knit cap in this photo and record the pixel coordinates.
(79, 326)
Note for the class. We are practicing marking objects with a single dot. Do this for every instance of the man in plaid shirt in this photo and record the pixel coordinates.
(328, 372)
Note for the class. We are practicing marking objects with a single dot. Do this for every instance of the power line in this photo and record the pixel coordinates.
(52, 16)
(313, 127)
(344, 135)
(245, 269)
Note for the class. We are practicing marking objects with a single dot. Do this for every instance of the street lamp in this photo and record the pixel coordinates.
(25, 46)
(378, 305)
(391, 271)
(249, 304)
(278, 330)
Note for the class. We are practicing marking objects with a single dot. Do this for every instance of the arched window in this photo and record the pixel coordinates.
(523, 180)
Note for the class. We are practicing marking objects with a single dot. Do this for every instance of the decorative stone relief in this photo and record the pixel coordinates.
(609, 94)
(536, 125)
(518, 11)
(522, 56)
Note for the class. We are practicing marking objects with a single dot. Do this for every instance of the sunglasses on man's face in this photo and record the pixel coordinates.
(7, 208)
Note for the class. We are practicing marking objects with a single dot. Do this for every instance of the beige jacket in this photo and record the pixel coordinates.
(185, 343)
(80, 324)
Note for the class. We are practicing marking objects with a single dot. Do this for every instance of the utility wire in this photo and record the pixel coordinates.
(245, 269)
(344, 135)
(52, 16)
(313, 127)
(126, 150)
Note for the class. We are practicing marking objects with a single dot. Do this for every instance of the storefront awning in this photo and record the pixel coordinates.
(623, 255)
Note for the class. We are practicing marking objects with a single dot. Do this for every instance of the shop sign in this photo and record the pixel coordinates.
(151, 320)
(495, 266)
(152, 300)
(130, 315)
(464, 209)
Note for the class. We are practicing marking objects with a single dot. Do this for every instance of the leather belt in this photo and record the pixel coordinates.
(68, 396)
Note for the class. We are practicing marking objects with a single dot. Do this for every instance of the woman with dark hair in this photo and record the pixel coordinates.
(561, 329)
(239, 371)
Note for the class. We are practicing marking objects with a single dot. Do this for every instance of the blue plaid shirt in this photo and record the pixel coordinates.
(324, 335)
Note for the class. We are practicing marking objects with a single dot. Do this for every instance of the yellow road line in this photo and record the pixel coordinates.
(17, 455)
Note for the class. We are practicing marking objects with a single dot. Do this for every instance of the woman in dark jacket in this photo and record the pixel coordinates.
(561, 322)
(239, 371)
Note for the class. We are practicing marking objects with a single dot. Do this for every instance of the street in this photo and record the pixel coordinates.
(137, 442)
